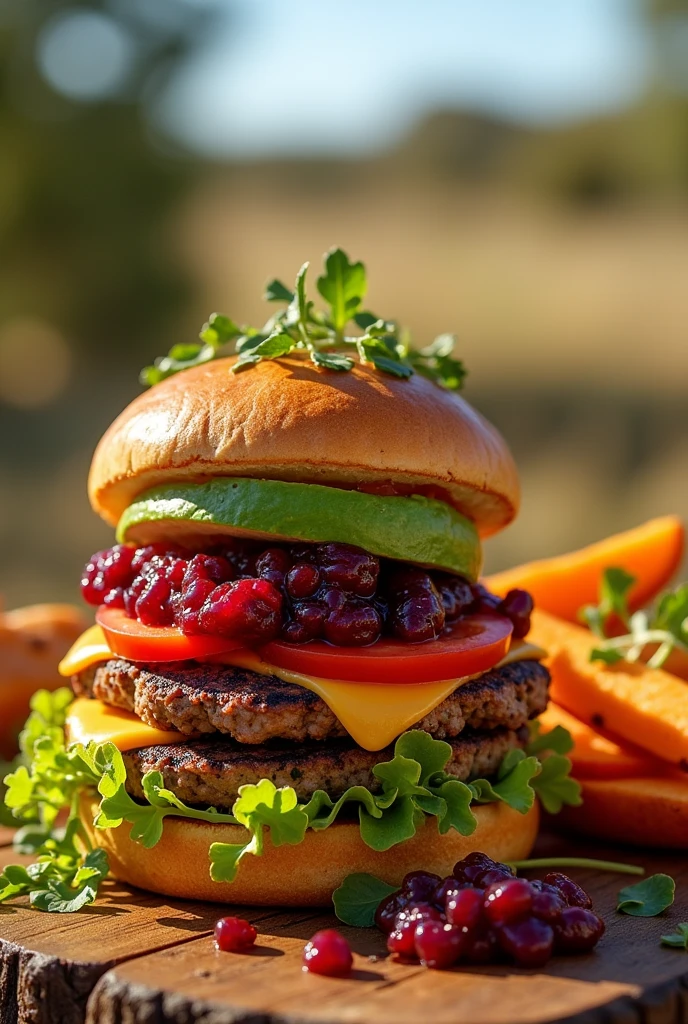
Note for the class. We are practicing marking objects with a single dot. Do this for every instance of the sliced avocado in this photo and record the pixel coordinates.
(414, 529)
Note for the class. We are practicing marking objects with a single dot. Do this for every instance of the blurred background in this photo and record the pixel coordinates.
(516, 173)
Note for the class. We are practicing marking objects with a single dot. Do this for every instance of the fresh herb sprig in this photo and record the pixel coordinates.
(665, 627)
(414, 786)
(321, 334)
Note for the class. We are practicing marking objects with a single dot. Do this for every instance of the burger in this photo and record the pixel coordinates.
(295, 673)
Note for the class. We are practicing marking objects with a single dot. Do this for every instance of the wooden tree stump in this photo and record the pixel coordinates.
(134, 957)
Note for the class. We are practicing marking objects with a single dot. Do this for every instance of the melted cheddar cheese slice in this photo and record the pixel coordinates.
(373, 714)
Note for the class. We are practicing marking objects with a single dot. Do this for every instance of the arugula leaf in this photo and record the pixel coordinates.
(300, 328)
(647, 898)
(678, 939)
(358, 897)
(343, 285)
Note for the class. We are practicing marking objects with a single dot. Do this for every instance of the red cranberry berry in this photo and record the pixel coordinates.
(418, 912)
(573, 894)
(529, 941)
(302, 581)
(234, 934)
(497, 874)
(402, 940)
(108, 570)
(311, 616)
(518, 606)
(578, 930)
(415, 607)
(508, 900)
(548, 906)
(483, 601)
(353, 625)
(145, 554)
(420, 885)
(388, 908)
(444, 890)
(475, 864)
(438, 944)
(246, 609)
(328, 953)
(153, 605)
(456, 595)
(273, 564)
(465, 908)
(349, 568)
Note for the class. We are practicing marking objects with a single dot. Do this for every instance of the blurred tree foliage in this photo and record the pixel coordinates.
(85, 190)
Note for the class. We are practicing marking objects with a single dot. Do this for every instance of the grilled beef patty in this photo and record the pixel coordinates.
(208, 772)
(196, 699)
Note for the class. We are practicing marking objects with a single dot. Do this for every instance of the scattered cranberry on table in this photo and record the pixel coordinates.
(328, 953)
(234, 935)
(482, 914)
(295, 592)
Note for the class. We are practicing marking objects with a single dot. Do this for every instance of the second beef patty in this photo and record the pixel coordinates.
(197, 699)
(209, 772)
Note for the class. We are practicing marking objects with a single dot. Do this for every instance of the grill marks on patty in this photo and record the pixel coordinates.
(209, 772)
(197, 699)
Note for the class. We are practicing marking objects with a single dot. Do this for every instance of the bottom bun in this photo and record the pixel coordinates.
(648, 811)
(307, 874)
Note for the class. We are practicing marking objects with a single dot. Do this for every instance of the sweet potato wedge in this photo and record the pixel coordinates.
(643, 811)
(32, 642)
(647, 707)
(598, 756)
(562, 585)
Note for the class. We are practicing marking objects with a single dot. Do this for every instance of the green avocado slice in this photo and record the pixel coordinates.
(414, 529)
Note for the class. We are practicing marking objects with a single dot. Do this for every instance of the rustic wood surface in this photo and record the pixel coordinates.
(140, 958)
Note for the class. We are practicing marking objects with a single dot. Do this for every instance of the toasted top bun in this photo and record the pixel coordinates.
(288, 420)
(306, 874)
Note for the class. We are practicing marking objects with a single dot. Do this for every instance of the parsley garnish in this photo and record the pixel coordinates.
(414, 784)
(666, 627)
(300, 327)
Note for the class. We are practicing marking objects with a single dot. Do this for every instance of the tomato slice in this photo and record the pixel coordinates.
(475, 644)
(131, 639)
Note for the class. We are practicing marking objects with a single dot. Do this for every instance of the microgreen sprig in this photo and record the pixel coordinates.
(666, 627)
(321, 334)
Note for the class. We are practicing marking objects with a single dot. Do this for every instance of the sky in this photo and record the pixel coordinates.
(319, 76)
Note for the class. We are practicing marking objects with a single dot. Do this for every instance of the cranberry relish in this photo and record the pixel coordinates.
(298, 592)
(483, 914)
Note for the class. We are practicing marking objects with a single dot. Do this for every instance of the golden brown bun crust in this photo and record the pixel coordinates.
(288, 420)
(650, 811)
(307, 874)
